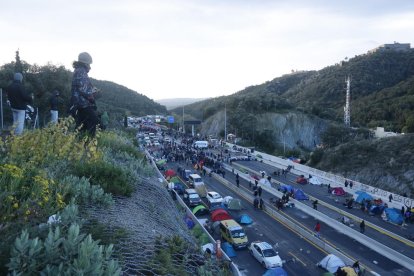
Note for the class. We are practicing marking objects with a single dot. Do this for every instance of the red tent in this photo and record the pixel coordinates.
(338, 191)
(219, 214)
(169, 173)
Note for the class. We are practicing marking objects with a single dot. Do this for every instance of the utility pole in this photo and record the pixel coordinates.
(183, 121)
(347, 108)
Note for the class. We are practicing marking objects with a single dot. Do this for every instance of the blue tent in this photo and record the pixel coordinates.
(363, 195)
(189, 222)
(376, 209)
(277, 271)
(228, 249)
(300, 195)
(394, 215)
(286, 188)
(245, 219)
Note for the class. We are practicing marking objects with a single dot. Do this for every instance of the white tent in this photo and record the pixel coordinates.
(331, 263)
(315, 181)
(227, 199)
(265, 182)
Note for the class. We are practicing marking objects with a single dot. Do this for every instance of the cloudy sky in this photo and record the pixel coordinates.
(191, 48)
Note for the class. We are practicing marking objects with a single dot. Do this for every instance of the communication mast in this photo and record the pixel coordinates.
(347, 108)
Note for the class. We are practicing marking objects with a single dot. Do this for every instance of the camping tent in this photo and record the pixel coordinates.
(169, 173)
(234, 204)
(363, 195)
(331, 263)
(338, 191)
(315, 181)
(245, 219)
(219, 214)
(175, 179)
(161, 162)
(226, 200)
(200, 210)
(376, 209)
(277, 271)
(394, 215)
(265, 182)
(286, 188)
(300, 195)
(349, 271)
(228, 249)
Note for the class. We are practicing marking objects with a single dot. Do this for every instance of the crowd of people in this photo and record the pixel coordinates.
(82, 104)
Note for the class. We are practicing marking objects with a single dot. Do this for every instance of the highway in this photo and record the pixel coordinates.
(374, 229)
(300, 255)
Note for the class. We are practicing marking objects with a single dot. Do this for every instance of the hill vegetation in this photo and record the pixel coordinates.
(116, 99)
(381, 91)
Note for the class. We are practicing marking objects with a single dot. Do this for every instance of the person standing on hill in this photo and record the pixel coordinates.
(54, 101)
(19, 99)
(83, 94)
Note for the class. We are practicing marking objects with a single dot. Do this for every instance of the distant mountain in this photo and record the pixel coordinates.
(177, 102)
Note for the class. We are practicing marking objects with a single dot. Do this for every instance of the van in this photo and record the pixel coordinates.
(233, 233)
(191, 197)
(197, 183)
(200, 144)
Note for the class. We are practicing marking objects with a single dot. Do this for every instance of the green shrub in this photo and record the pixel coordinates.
(111, 178)
(117, 143)
(61, 253)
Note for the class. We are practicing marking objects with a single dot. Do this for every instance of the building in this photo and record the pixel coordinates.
(398, 47)
(381, 133)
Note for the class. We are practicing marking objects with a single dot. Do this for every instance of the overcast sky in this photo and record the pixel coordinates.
(179, 48)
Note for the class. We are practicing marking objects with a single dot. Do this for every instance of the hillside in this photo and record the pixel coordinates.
(385, 163)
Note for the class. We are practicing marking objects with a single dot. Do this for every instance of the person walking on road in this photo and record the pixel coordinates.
(390, 197)
(259, 191)
(362, 227)
(237, 182)
(317, 229)
(315, 204)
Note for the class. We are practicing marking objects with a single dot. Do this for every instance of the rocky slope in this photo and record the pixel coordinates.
(293, 129)
(385, 163)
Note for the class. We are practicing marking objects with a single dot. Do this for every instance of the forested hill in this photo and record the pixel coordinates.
(382, 93)
(116, 99)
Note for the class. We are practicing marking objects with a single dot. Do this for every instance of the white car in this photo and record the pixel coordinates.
(214, 197)
(265, 254)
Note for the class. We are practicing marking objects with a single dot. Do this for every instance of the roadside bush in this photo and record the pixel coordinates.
(111, 178)
(117, 143)
(64, 251)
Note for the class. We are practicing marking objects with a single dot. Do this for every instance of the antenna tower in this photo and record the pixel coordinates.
(347, 108)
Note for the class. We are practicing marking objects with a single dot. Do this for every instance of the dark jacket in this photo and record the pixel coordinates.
(17, 96)
(54, 102)
(82, 88)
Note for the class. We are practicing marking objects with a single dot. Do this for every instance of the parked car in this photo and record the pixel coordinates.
(214, 198)
(265, 254)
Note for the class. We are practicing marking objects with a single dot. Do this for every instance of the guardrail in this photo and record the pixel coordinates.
(188, 211)
(363, 239)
